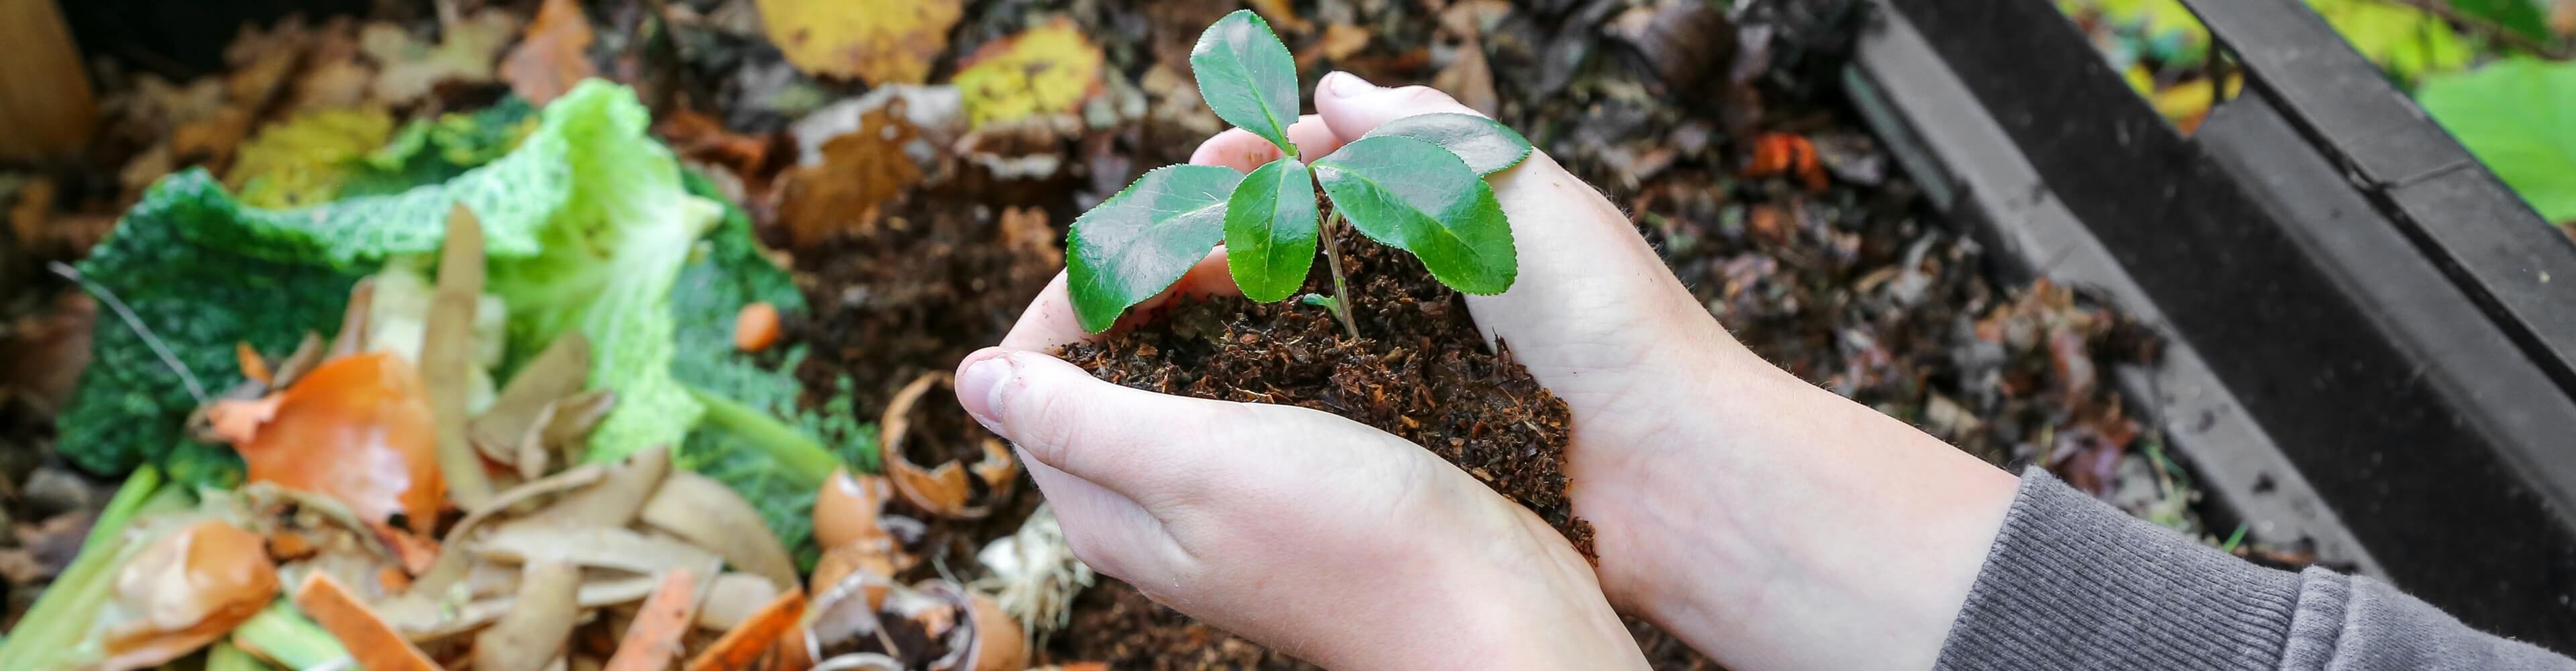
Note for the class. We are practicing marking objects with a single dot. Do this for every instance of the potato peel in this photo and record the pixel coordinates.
(539, 622)
(710, 515)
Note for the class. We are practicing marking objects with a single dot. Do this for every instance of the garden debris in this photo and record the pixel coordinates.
(1339, 41)
(705, 512)
(1050, 69)
(756, 637)
(553, 56)
(356, 429)
(702, 138)
(861, 173)
(653, 641)
(921, 214)
(877, 41)
(411, 67)
(931, 624)
(944, 490)
(447, 363)
(305, 160)
(44, 549)
(540, 619)
(756, 327)
(1035, 577)
(378, 646)
(184, 590)
(733, 598)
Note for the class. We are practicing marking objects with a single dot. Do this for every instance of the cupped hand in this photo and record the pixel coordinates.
(1769, 523)
(1306, 531)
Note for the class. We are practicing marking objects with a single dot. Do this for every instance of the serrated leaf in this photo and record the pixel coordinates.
(1485, 145)
(1247, 77)
(1415, 196)
(1270, 230)
(1137, 243)
(2531, 144)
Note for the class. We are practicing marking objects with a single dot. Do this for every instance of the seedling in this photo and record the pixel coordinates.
(1415, 184)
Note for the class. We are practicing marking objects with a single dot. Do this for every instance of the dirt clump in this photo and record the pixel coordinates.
(1420, 370)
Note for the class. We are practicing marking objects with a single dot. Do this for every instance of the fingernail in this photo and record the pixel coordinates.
(1347, 85)
(979, 387)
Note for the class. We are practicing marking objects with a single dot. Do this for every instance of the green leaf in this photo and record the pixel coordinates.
(1247, 77)
(2520, 16)
(1270, 230)
(1415, 196)
(1137, 243)
(1485, 145)
(2519, 117)
(2406, 41)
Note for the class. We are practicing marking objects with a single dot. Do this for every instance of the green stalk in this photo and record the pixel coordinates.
(1341, 306)
(138, 487)
(281, 634)
(224, 657)
(803, 456)
(60, 620)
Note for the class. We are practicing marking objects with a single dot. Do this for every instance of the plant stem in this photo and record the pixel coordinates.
(806, 458)
(1333, 262)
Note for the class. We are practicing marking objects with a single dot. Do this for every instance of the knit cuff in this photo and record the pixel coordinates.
(2072, 583)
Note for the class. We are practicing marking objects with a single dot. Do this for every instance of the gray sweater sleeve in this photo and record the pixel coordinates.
(2072, 583)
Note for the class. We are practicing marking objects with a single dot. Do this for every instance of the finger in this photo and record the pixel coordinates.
(1049, 321)
(1241, 150)
(1107, 531)
(1352, 106)
(1155, 449)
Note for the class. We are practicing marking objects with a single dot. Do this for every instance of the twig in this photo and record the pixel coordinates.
(2444, 10)
(133, 322)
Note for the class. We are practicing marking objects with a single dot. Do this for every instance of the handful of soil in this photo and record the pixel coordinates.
(1419, 371)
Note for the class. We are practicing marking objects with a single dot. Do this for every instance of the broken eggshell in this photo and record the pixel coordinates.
(185, 590)
(945, 490)
(931, 625)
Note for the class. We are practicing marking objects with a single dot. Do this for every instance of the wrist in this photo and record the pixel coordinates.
(1526, 600)
(1780, 522)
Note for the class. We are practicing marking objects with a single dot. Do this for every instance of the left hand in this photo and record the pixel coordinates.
(1311, 533)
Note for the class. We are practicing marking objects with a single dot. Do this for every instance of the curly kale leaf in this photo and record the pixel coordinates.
(187, 270)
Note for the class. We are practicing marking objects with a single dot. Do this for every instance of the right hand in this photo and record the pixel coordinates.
(1767, 521)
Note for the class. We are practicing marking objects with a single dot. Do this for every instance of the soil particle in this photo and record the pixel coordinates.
(1420, 370)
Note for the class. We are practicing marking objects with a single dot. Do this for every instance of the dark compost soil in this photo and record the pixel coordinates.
(1419, 371)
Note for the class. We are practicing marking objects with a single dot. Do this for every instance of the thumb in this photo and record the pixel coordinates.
(1134, 442)
(1352, 106)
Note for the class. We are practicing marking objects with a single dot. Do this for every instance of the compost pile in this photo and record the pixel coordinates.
(727, 251)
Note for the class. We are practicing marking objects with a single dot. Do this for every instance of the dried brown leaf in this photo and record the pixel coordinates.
(554, 56)
(861, 173)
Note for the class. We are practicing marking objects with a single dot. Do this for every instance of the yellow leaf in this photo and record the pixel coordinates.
(1045, 70)
(878, 41)
(303, 160)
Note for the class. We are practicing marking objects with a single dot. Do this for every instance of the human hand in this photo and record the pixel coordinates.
(1770, 523)
(1311, 533)
(1307, 531)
